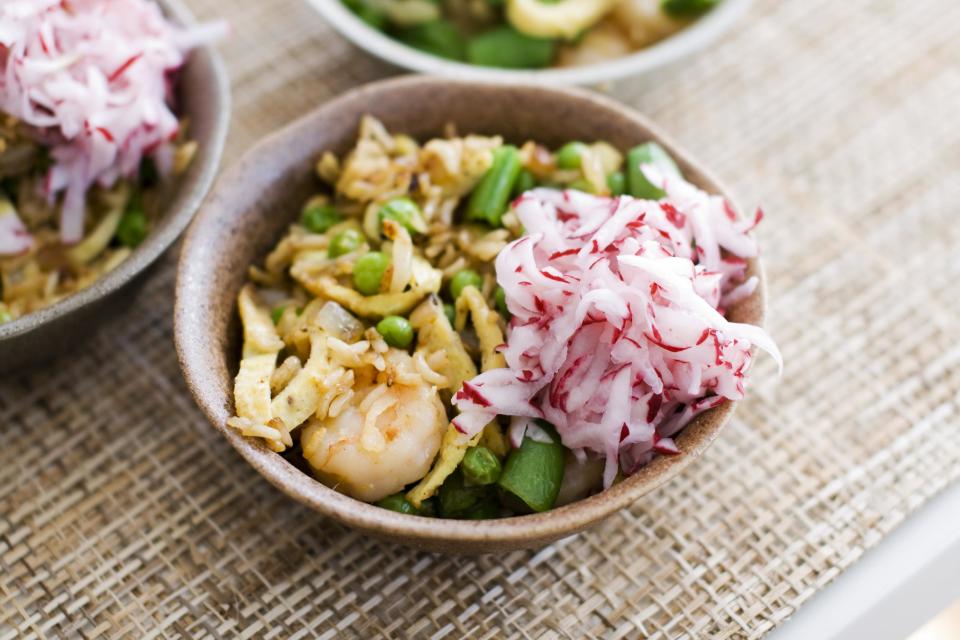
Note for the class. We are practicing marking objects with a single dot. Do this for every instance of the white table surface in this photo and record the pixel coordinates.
(897, 586)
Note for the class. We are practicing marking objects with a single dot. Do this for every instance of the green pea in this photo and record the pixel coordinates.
(480, 466)
(649, 153)
(456, 497)
(396, 331)
(344, 242)
(403, 211)
(525, 182)
(617, 182)
(489, 199)
(534, 471)
(438, 37)
(319, 218)
(570, 155)
(397, 502)
(277, 313)
(451, 312)
(132, 228)
(506, 47)
(368, 272)
(687, 8)
(464, 278)
(500, 299)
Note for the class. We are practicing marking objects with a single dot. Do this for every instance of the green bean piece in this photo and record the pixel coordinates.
(534, 471)
(456, 497)
(489, 199)
(368, 272)
(462, 279)
(403, 211)
(649, 153)
(277, 313)
(438, 37)
(507, 48)
(525, 182)
(570, 155)
(397, 502)
(500, 299)
(344, 242)
(319, 218)
(451, 312)
(485, 509)
(617, 182)
(480, 466)
(687, 8)
(132, 228)
(396, 331)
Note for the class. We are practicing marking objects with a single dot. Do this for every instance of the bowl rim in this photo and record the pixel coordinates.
(158, 242)
(707, 29)
(434, 533)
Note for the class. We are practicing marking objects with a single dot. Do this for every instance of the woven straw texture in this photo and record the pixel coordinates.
(123, 514)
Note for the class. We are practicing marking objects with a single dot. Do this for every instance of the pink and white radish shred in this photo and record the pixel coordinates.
(618, 336)
(92, 78)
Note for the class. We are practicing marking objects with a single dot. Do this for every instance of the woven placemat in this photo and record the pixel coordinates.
(123, 514)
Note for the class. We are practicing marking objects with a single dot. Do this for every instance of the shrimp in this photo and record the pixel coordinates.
(384, 439)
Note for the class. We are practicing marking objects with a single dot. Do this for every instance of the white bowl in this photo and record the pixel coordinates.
(683, 43)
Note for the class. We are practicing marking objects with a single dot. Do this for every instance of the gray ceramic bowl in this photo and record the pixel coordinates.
(260, 196)
(204, 97)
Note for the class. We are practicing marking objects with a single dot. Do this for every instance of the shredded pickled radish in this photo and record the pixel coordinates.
(92, 79)
(618, 336)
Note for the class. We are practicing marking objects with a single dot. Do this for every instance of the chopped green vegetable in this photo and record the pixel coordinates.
(398, 503)
(396, 331)
(480, 466)
(581, 185)
(456, 497)
(500, 299)
(404, 211)
(277, 313)
(649, 153)
(617, 182)
(368, 272)
(132, 228)
(534, 472)
(525, 182)
(450, 311)
(319, 218)
(344, 242)
(5, 316)
(508, 48)
(570, 155)
(462, 279)
(687, 8)
(485, 509)
(489, 199)
(438, 37)
(368, 12)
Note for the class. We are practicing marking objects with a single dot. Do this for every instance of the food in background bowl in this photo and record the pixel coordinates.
(467, 329)
(87, 135)
(529, 34)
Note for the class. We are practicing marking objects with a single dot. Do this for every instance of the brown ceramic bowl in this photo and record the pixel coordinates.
(203, 93)
(257, 199)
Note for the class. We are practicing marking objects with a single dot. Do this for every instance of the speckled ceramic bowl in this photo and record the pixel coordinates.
(260, 196)
(204, 97)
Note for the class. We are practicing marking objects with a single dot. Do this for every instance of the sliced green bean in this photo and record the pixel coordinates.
(534, 471)
(489, 199)
(525, 182)
(456, 498)
(617, 182)
(438, 37)
(648, 153)
(506, 47)
(480, 466)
